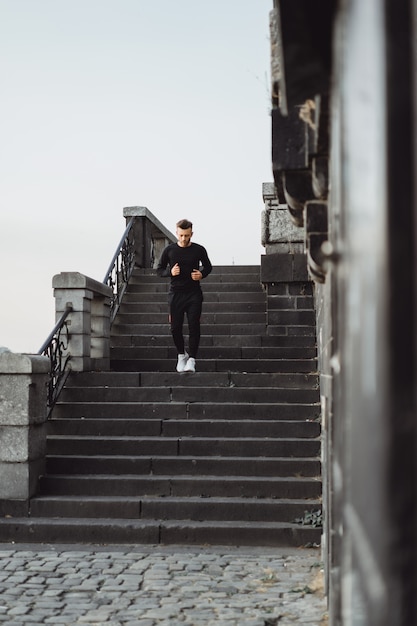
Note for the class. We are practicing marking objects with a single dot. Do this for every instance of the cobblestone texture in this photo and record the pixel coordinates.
(169, 586)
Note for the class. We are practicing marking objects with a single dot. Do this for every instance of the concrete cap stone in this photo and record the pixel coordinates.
(13, 363)
(269, 191)
(136, 211)
(143, 211)
(76, 280)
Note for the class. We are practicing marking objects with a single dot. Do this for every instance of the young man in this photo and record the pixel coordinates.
(186, 263)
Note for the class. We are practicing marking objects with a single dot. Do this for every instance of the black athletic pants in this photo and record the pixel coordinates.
(190, 303)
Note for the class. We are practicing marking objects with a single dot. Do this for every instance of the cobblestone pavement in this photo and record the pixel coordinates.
(164, 586)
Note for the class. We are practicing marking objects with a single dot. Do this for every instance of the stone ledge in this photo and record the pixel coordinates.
(143, 211)
(12, 363)
(76, 280)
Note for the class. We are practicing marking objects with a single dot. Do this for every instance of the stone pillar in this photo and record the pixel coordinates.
(23, 405)
(89, 321)
(279, 233)
(284, 270)
(150, 236)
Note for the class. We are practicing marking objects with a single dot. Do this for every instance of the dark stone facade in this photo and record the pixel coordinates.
(344, 164)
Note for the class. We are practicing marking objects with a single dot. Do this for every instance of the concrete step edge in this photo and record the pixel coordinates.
(313, 503)
(185, 477)
(151, 532)
(176, 438)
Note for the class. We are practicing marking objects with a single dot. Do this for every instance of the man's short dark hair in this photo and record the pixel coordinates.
(184, 224)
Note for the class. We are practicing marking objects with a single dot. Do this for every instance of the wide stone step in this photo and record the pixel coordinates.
(207, 286)
(181, 486)
(180, 532)
(199, 379)
(129, 308)
(230, 329)
(217, 269)
(191, 394)
(280, 341)
(185, 410)
(228, 509)
(218, 365)
(215, 352)
(187, 446)
(216, 317)
(191, 465)
(105, 427)
(210, 297)
(236, 269)
(189, 508)
(184, 428)
(217, 278)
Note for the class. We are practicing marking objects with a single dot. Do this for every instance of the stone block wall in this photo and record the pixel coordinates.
(89, 320)
(279, 233)
(23, 407)
(284, 274)
(290, 303)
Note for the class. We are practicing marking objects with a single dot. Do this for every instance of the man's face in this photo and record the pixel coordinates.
(184, 237)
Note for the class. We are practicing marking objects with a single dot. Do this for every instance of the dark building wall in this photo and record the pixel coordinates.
(350, 114)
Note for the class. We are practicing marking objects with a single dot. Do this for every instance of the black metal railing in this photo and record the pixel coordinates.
(120, 269)
(141, 241)
(55, 348)
(56, 345)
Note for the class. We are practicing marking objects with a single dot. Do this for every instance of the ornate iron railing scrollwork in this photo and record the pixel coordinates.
(120, 269)
(54, 348)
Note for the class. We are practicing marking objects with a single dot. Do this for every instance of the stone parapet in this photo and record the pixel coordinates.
(89, 320)
(284, 272)
(149, 234)
(23, 413)
(279, 233)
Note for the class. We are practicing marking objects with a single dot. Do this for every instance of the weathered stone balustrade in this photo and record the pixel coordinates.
(24, 378)
(23, 398)
(284, 269)
(150, 235)
(89, 320)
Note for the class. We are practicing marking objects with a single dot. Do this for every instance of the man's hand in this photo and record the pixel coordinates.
(175, 271)
(196, 275)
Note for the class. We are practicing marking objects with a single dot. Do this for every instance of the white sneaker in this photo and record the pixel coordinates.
(182, 362)
(190, 366)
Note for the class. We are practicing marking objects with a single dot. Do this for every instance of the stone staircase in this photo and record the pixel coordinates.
(228, 455)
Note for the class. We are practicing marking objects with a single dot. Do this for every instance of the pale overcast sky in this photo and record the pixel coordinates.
(114, 103)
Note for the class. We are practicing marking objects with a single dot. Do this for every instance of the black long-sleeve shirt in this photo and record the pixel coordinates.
(192, 257)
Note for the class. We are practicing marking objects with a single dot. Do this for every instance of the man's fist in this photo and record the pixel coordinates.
(196, 275)
(175, 271)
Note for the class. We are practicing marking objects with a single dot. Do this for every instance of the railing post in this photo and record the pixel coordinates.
(89, 321)
(23, 414)
(150, 236)
(141, 235)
